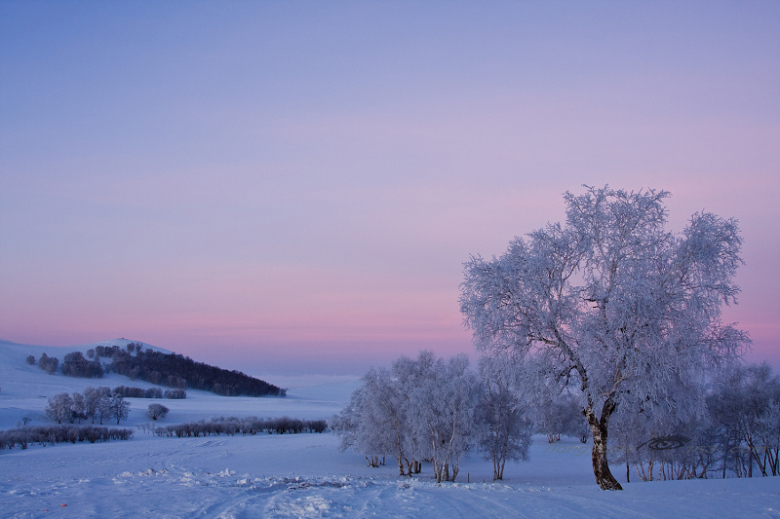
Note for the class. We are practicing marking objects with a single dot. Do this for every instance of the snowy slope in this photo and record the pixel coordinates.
(305, 475)
(25, 391)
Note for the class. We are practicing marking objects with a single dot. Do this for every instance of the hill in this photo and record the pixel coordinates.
(137, 361)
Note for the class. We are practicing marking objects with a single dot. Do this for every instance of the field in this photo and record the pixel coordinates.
(305, 475)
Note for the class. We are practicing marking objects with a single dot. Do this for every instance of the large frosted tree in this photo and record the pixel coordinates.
(614, 304)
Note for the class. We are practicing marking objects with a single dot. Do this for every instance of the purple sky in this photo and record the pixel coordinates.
(294, 186)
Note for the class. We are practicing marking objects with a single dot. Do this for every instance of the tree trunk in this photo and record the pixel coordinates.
(604, 476)
(628, 468)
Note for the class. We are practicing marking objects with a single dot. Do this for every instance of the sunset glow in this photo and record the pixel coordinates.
(295, 186)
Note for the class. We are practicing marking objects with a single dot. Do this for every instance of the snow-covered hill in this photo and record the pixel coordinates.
(25, 390)
(302, 476)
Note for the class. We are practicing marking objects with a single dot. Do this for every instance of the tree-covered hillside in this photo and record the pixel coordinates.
(174, 370)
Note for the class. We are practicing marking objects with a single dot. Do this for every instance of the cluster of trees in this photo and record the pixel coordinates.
(434, 410)
(610, 320)
(739, 434)
(46, 363)
(76, 365)
(95, 404)
(152, 392)
(110, 351)
(745, 420)
(50, 435)
(168, 369)
(613, 308)
(180, 372)
(232, 426)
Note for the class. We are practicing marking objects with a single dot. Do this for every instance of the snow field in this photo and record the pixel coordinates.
(305, 476)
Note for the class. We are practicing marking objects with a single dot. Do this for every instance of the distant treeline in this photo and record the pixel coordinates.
(49, 435)
(152, 392)
(167, 369)
(232, 426)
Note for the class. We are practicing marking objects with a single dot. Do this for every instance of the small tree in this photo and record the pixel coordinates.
(48, 364)
(60, 408)
(501, 418)
(118, 408)
(373, 423)
(31, 360)
(78, 407)
(103, 409)
(613, 305)
(156, 411)
(96, 403)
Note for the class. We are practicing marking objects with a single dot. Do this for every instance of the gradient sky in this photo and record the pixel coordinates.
(295, 186)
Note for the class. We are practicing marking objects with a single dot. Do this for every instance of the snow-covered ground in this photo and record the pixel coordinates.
(304, 475)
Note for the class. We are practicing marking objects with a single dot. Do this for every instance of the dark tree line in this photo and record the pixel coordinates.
(76, 365)
(152, 392)
(178, 371)
(166, 369)
(49, 435)
(243, 426)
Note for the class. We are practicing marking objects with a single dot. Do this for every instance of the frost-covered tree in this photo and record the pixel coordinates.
(746, 408)
(613, 304)
(345, 424)
(383, 426)
(412, 375)
(96, 402)
(118, 408)
(419, 410)
(79, 406)
(155, 411)
(442, 416)
(384, 416)
(48, 364)
(104, 407)
(373, 424)
(60, 407)
(504, 431)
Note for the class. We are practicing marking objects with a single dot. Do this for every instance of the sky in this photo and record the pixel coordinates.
(295, 186)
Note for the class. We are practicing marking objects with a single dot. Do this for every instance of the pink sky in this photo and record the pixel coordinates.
(295, 186)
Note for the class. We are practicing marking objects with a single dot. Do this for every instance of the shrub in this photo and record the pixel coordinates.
(156, 411)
